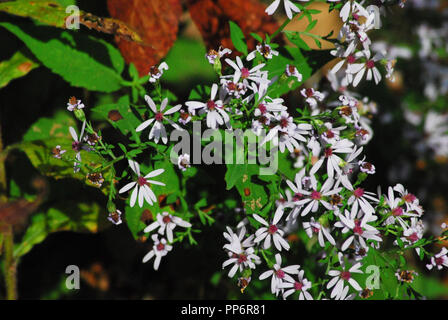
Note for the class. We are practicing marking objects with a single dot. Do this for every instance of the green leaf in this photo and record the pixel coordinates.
(18, 66)
(81, 60)
(121, 116)
(171, 180)
(254, 191)
(234, 173)
(197, 67)
(44, 135)
(49, 128)
(47, 12)
(75, 216)
(237, 37)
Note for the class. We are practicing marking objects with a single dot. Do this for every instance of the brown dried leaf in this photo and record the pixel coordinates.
(157, 23)
(212, 19)
(108, 25)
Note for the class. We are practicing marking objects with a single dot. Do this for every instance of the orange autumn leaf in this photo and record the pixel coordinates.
(212, 19)
(156, 21)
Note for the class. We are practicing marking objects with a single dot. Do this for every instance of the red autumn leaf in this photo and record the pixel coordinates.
(212, 19)
(156, 21)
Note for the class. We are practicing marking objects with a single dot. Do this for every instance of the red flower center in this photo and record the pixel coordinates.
(309, 92)
(211, 105)
(242, 258)
(370, 64)
(351, 59)
(358, 193)
(397, 212)
(358, 229)
(280, 274)
(316, 195)
(298, 286)
(413, 237)
(346, 275)
(409, 197)
(141, 181)
(262, 108)
(245, 73)
(284, 123)
(329, 134)
(328, 152)
(166, 219)
(159, 116)
(272, 229)
(160, 246)
(297, 197)
(439, 261)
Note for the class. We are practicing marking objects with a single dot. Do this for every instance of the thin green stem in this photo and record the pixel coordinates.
(10, 264)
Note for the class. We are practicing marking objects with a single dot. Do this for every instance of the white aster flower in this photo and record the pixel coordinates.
(314, 227)
(440, 260)
(159, 250)
(358, 223)
(214, 109)
(158, 129)
(301, 285)
(166, 224)
(142, 189)
(279, 275)
(155, 73)
(264, 49)
(271, 232)
(290, 7)
(291, 71)
(342, 276)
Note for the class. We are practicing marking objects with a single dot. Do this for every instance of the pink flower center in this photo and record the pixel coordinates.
(272, 229)
(370, 64)
(315, 229)
(141, 181)
(284, 123)
(245, 73)
(413, 237)
(316, 195)
(298, 286)
(280, 274)
(409, 197)
(439, 261)
(358, 193)
(346, 275)
(397, 212)
(351, 59)
(297, 197)
(262, 108)
(160, 246)
(358, 229)
(159, 116)
(211, 105)
(242, 258)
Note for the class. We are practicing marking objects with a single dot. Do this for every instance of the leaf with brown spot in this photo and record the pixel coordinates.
(157, 23)
(55, 15)
(18, 66)
(212, 19)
